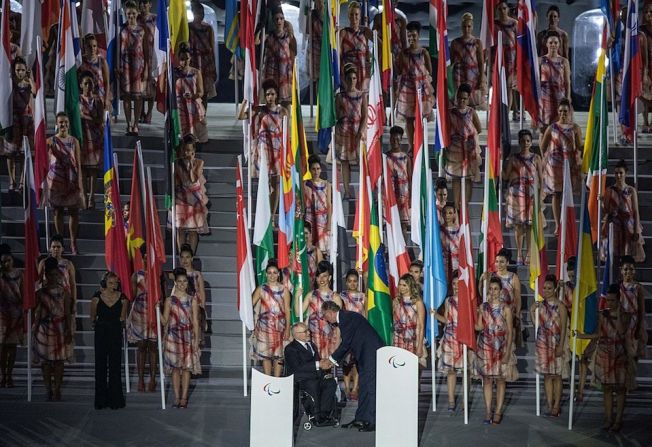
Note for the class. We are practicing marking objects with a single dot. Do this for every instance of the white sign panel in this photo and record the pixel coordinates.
(271, 410)
(397, 397)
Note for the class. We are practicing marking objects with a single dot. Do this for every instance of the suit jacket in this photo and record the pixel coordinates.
(300, 362)
(359, 337)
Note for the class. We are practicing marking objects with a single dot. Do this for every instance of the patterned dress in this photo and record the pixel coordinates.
(149, 22)
(95, 67)
(191, 110)
(178, 337)
(202, 56)
(11, 308)
(629, 303)
(50, 326)
(405, 324)
(507, 294)
(450, 350)
(132, 61)
(492, 343)
(553, 88)
(270, 325)
(323, 334)
(269, 138)
(92, 146)
(562, 145)
(63, 177)
(415, 77)
(397, 163)
(23, 121)
(509, 49)
(521, 190)
(645, 32)
(613, 366)
(353, 301)
(279, 63)
(619, 210)
(465, 145)
(137, 328)
(312, 263)
(190, 200)
(548, 338)
(317, 205)
(450, 245)
(466, 69)
(315, 42)
(355, 50)
(349, 111)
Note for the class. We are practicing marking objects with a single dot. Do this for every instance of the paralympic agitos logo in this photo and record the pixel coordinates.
(395, 363)
(269, 390)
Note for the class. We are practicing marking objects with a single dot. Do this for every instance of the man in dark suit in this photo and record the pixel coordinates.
(359, 337)
(302, 360)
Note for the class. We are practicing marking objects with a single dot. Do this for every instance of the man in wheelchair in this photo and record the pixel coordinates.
(314, 384)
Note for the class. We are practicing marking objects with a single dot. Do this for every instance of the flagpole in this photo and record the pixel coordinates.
(520, 119)
(484, 226)
(29, 355)
(125, 345)
(248, 138)
(465, 384)
(536, 330)
(311, 73)
(613, 98)
(244, 328)
(360, 210)
(334, 186)
(611, 250)
(600, 186)
(236, 72)
(47, 227)
(174, 218)
(636, 143)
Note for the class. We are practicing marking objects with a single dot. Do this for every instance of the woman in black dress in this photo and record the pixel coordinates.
(108, 313)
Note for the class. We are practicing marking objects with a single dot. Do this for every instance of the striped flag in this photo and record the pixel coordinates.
(419, 181)
(6, 84)
(375, 121)
(339, 249)
(487, 32)
(325, 119)
(231, 25)
(40, 141)
(361, 221)
(263, 235)
(379, 302)
(30, 30)
(66, 78)
(32, 253)
(135, 236)
(491, 235)
(568, 227)
(161, 36)
(286, 203)
(247, 43)
(632, 82)
(498, 135)
(594, 159)
(528, 82)
(245, 282)
(444, 77)
(387, 22)
(178, 20)
(112, 52)
(537, 244)
(466, 287)
(399, 259)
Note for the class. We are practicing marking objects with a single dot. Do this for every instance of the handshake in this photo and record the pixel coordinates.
(325, 364)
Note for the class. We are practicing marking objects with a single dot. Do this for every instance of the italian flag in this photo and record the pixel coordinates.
(67, 86)
(263, 235)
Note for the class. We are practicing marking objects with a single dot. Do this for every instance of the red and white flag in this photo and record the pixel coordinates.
(40, 139)
(247, 41)
(246, 281)
(466, 290)
(30, 276)
(399, 259)
(6, 84)
(487, 28)
(568, 231)
(375, 114)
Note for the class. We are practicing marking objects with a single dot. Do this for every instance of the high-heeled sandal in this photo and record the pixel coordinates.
(183, 403)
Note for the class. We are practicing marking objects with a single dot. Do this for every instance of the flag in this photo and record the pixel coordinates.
(161, 37)
(466, 289)
(379, 302)
(231, 25)
(40, 143)
(6, 83)
(50, 10)
(298, 140)
(444, 77)
(66, 83)
(178, 20)
(387, 22)
(568, 227)
(30, 29)
(361, 221)
(247, 43)
(594, 159)
(246, 283)
(490, 226)
(419, 181)
(584, 317)
(286, 207)
(498, 135)
(93, 21)
(112, 53)
(338, 225)
(632, 82)
(135, 237)
(172, 129)
(434, 275)
(487, 28)
(528, 82)
(263, 236)
(606, 275)
(325, 119)
(32, 253)
(375, 115)
(537, 245)
(399, 259)
(155, 255)
(115, 241)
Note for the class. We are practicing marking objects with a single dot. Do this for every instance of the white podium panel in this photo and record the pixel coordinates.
(271, 410)
(397, 397)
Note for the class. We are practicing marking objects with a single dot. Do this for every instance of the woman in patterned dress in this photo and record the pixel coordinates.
(354, 48)
(496, 361)
(11, 316)
(441, 197)
(52, 329)
(148, 21)
(202, 49)
(351, 126)
(553, 16)
(561, 140)
(450, 240)
(633, 302)
(467, 58)
(91, 110)
(324, 336)
(463, 156)
(555, 81)
(614, 362)
(190, 196)
(317, 19)
(354, 301)
(620, 205)
(409, 316)
(523, 172)
(317, 198)
(133, 67)
(142, 331)
(95, 64)
(271, 302)
(181, 337)
(64, 186)
(507, 25)
(23, 121)
(415, 75)
(196, 286)
(280, 51)
(399, 167)
(314, 256)
(189, 90)
(551, 350)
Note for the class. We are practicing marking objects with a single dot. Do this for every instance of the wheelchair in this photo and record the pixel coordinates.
(304, 403)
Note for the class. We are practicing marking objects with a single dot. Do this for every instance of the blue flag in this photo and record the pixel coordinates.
(434, 275)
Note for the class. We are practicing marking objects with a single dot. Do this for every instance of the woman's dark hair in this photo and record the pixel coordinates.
(50, 264)
(189, 139)
(272, 263)
(270, 83)
(441, 183)
(19, 60)
(414, 26)
(178, 272)
(5, 249)
(56, 238)
(130, 5)
(314, 158)
(352, 272)
(551, 278)
(503, 252)
(350, 68)
(186, 248)
(184, 48)
(417, 263)
(552, 33)
(565, 102)
(627, 259)
(464, 88)
(496, 280)
(323, 267)
(553, 8)
(307, 225)
(524, 132)
(396, 130)
(571, 263)
(614, 289)
(621, 164)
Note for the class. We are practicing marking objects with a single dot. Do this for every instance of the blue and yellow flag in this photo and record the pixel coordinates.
(178, 22)
(231, 25)
(379, 301)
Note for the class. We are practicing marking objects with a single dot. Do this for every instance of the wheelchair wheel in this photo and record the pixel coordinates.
(307, 426)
